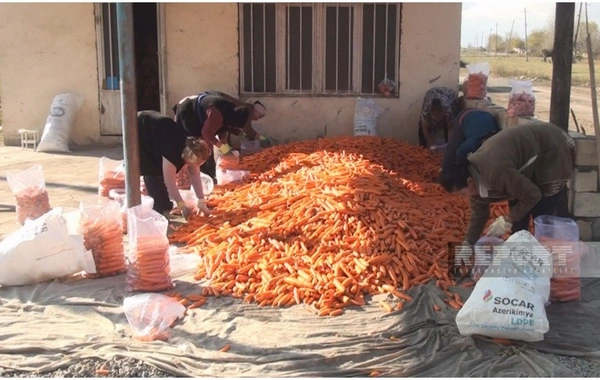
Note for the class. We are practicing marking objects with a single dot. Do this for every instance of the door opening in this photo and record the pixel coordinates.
(145, 25)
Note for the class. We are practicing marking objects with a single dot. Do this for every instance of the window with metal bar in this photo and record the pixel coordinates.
(110, 42)
(318, 48)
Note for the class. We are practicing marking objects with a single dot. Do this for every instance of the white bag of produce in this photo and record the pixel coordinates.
(59, 123)
(365, 117)
(509, 300)
(43, 250)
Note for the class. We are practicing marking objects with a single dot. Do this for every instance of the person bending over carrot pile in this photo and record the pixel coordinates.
(529, 165)
(164, 148)
(440, 105)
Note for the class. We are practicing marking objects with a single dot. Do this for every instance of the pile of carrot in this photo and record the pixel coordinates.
(565, 284)
(111, 180)
(104, 237)
(327, 222)
(31, 203)
(149, 269)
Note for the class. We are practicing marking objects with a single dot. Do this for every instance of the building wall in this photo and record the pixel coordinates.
(429, 50)
(47, 49)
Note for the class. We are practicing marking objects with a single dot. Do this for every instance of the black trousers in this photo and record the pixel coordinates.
(155, 185)
(546, 206)
(423, 140)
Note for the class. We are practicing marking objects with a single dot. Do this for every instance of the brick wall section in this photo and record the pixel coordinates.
(584, 189)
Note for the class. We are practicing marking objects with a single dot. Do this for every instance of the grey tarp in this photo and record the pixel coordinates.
(50, 325)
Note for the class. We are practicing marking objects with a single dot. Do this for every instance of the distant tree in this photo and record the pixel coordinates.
(491, 46)
(581, 47)
(536, 41)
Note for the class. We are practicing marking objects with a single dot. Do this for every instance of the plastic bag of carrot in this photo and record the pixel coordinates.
(149, 269)
(29, 188)
(326, 222)
(103, 235)
(111, 175)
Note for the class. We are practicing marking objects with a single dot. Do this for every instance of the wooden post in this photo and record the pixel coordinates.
(590, 54)
(526, 47)
(496, 53)
(510, 37)
(577, 28)
(562, 63)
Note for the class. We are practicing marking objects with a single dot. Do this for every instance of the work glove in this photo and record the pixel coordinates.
(202, 207)
(264, 141)
(185, 211)
(224, 149)
(499, 228)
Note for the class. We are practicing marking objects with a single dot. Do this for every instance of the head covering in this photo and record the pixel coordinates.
(196, 151)
(260, 109)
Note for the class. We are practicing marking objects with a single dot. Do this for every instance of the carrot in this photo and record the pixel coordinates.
(327, 222)
(226, 348)
(505, 342)
(436, 307)
(375, 374)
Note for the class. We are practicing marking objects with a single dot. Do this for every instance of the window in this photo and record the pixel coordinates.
(110, 47)
(318, 48)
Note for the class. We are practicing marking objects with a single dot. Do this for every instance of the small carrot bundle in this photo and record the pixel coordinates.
(149, 269)
(103, 235)
(29, 188)
(111, 176)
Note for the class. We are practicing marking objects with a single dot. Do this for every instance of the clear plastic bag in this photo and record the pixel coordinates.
(149, 269)
(102, 230)
(151, 316)
(229, 161)
(111, 176)
(248, 147)
(120, 196)
(29, 188)
(521, 101)
(225, 177)
(386, 86)
(477, 81)
(189, 198)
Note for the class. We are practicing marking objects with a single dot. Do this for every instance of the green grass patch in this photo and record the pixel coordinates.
(517, 66)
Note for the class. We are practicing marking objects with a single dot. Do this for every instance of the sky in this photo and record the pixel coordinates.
(478, 18)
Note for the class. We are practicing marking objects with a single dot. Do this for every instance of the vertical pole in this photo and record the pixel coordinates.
(510, 37)
(496, 53)
(129, 102)
(489, 42)
(590, 54)
(526, 47)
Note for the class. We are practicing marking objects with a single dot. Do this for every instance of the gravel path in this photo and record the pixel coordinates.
(121, 367)
(581, 367)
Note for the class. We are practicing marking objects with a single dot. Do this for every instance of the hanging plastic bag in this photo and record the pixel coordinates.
(120, 196)
(386, 86)
(151, 316)
(365, 117)
(149, 269)
(111, 175)
(57, 131)
(42, 250)
(29, 188)
(509, 299)
(477, 80)
(103, 235)
(521, 101)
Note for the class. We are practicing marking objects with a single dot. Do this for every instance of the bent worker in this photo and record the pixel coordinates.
(213, 115)
(440, 106)
(529, 165)
(164, 148)
(472, 127)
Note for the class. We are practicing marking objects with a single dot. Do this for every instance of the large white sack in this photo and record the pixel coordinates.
(509, 300)
(59, 123)
(43, 250)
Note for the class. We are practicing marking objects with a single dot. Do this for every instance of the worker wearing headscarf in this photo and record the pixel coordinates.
(164, 148)
(528, 165)
(440, 106)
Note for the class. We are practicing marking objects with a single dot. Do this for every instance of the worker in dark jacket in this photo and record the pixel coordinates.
(472, 127)
(214, 115)
(164, 148)
(528, 165)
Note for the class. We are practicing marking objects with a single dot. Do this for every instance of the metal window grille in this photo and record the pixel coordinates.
(314, 49)
(110, 42)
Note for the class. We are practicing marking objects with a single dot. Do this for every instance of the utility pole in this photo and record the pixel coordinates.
(496, 53)
(577, 29)
(489, 43)
(526, 47)
(510, 37)
(590, 54)
(482, 35)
